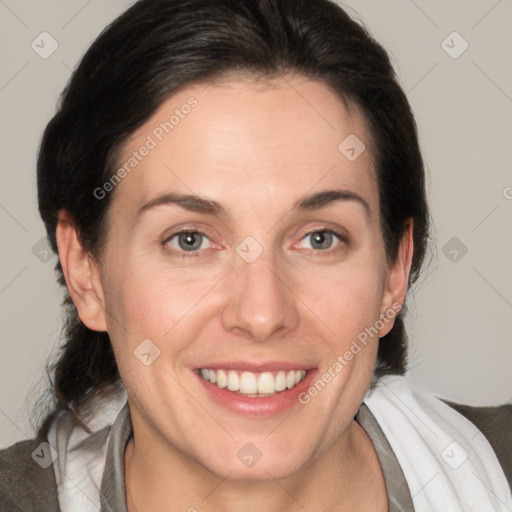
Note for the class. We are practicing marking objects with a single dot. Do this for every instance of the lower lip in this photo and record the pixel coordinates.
(257, 407)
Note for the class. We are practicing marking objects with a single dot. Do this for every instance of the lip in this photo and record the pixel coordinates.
(253, 407)
(246, 366)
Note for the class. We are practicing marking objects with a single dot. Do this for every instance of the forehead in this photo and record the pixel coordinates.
(252, 143)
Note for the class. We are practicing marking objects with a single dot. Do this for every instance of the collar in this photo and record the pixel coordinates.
(113, 493)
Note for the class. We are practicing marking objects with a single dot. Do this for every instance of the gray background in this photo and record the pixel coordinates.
(460, 317)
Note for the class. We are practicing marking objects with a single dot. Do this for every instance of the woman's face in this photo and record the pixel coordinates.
(276, 275)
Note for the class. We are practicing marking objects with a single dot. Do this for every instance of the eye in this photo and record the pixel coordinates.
(322, 240)
(187, 241)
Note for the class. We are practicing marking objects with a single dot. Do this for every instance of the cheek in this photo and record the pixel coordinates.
(160, 305)
(150, 298)
(347, 300)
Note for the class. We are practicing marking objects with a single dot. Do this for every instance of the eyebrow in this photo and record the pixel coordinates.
(198, 204)
(321, 199)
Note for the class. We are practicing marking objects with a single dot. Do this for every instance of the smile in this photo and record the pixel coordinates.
(254, 384)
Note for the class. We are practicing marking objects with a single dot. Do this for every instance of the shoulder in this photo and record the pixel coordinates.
(404, 394)
(27, 478)
(495, 423)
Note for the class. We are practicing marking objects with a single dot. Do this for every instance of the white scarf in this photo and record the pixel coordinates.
(81, 457)
(448, 463)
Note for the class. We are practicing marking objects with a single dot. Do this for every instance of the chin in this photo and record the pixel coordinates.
(257, 459)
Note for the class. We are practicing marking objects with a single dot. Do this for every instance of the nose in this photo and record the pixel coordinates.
(260, 304)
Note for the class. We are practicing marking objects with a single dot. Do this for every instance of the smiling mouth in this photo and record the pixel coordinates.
(253, 384)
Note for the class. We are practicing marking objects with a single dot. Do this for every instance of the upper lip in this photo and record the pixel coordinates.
(269, 366)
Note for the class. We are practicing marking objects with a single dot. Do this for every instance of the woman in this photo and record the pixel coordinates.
(236, 195)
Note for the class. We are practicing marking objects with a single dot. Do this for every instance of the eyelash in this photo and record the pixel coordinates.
(344, 241)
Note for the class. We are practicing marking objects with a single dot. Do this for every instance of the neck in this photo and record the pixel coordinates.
(346, 477)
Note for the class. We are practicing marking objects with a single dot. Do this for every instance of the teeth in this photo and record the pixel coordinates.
(254, 384)
(266, 383)
(222, 379)
(280, 381)
(248, 383)
(290, 380)
(233, 381)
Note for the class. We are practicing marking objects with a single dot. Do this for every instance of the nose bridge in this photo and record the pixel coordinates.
(259, 302)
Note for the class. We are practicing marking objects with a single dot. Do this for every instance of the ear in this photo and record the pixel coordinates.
(397, 280)
(81, 273)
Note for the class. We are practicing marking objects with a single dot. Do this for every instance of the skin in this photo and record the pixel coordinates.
(256, 148)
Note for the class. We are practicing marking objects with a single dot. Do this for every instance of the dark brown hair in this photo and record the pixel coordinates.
(158, 46)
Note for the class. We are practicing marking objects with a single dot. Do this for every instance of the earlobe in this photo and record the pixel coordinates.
(81, 274)
(398, 280)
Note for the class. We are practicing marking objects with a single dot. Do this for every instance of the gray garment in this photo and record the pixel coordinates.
(26, 487)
